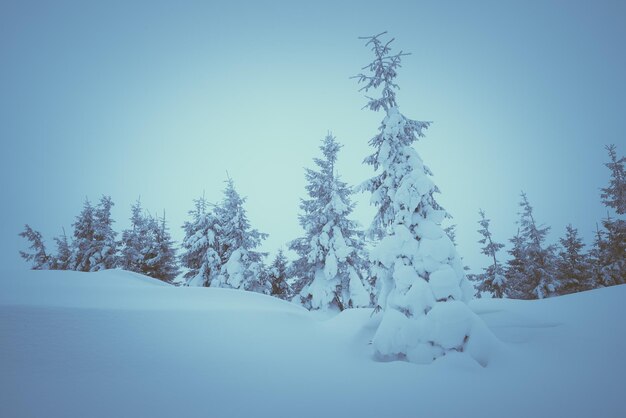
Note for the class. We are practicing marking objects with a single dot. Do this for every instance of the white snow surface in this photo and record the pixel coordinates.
(118, 344)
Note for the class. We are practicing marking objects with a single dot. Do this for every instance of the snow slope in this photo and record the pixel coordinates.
(118, 344)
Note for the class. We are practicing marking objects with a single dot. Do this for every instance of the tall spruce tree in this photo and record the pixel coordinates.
(201, 256)
(38, 257)
(531, 271)
(492, 280)
(573, 265)
(329, 266)
(240, 262)
(424, 287)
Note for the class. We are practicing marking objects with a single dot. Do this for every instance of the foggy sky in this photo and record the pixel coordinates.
(161, 99)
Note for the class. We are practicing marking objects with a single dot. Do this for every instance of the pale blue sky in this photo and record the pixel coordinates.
(160, 99)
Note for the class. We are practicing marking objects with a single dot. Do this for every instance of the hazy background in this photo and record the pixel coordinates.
(161, 99)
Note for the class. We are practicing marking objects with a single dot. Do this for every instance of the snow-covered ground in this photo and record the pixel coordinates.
(117, 344)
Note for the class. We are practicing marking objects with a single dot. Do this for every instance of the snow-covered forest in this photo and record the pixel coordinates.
(339, 264)
(344, 319)
(405, 265)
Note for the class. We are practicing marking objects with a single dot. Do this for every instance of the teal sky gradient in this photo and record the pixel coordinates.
(162, 99)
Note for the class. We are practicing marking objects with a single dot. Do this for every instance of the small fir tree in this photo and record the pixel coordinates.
(612, 248)
(614, 195)
(611, 269)
(200, 246)
(240, 262)
(160, 255)
(39, 259)
(63, 258)
(514, 270)
(134, 241)
(492, 280)
(277, 274)
(573, 265)
(532, 272)
(82, 245)
(104, 243)
(329, 266)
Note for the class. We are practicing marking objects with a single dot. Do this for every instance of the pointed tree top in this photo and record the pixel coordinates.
(381, 71)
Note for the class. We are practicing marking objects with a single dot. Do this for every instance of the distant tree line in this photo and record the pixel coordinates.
(333, 267)
(407, 265)
(536, 270)
(219, 248)
(146, 247)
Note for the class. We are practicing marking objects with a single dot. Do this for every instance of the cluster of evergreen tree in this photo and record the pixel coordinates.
(536, 270)
(413, 271)
(146, 247)
(219, 248)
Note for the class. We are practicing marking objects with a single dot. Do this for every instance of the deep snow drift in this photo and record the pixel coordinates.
(118, 344)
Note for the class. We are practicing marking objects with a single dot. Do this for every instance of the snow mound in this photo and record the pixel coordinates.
(118, 344)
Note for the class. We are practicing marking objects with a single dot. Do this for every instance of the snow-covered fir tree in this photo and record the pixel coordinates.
(159, 256)
(104, 243)
(573, 265)
(82, 244)
(611, 250)
(329, 266)
(134, 241)
(94, 247)
(262, 283)
(610, 253)
(147, 246)
(424, 289)
(532, 273)
(514, 270)
(597, 259)
(240, 262)
(614, 195)
(200, 246)
(63, 258)
(38, 257)
(492, 280)
(277, 274)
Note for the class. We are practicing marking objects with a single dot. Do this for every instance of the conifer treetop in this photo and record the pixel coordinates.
(383, 71)
(614, 195)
